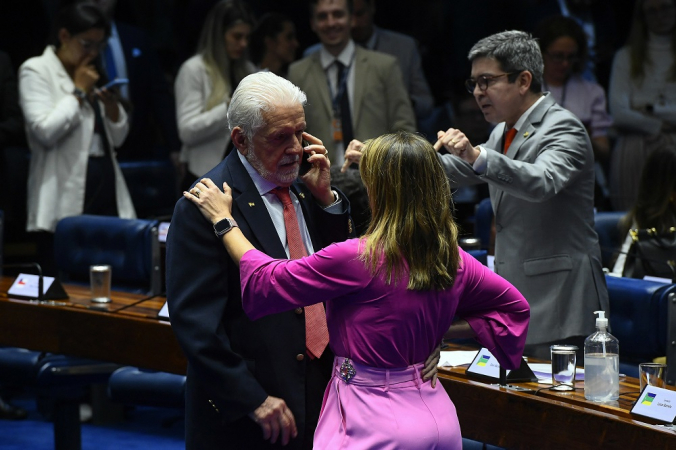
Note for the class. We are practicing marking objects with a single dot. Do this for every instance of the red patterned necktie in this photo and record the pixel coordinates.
(316, 331)
(509, 137)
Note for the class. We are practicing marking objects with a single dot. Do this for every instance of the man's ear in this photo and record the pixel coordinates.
(525, 79)
(63, 35)
(239, 140)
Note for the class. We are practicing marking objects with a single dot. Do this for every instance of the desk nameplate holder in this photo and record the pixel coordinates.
(26, 287)
(486, 367)
(656, 404)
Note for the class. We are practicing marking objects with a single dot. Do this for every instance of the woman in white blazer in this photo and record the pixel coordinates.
(205, 83)
(73, 169)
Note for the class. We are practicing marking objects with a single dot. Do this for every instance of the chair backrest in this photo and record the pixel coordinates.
(483, 218)
(607, 226)
(639, 319)
(152, 187)
(129, 246)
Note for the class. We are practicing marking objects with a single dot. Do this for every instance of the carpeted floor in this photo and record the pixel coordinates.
(143, 428)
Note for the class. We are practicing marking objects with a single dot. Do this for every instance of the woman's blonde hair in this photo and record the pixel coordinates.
(412, 224)
(224, 15)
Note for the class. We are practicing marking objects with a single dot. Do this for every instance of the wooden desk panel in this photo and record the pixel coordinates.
(550, 419)
(125, 331)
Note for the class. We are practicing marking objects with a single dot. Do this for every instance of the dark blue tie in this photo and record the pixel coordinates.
(344, 103)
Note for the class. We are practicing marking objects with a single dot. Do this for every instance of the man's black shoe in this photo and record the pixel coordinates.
(10, 412)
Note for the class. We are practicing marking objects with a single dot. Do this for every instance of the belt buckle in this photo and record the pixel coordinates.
(346, 370)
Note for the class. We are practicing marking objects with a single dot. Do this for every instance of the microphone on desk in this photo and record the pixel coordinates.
(55, 291)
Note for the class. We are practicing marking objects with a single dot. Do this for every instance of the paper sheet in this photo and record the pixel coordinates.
(457, 358)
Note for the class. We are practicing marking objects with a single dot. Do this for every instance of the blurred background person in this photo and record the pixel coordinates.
(149, 100)
(655, 205)
(564, 51)
(73, 128)
(642, 96)
(366, 34)
(274, 44)
(205, 83)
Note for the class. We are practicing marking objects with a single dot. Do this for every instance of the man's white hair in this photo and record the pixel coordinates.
(259, 92)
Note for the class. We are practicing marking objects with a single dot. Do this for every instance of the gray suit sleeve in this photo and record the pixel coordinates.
(548, 162)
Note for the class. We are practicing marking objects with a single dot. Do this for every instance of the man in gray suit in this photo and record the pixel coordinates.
(541, 188)
(372, 83)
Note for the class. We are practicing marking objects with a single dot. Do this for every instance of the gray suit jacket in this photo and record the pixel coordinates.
(542, 192)
(381, 103)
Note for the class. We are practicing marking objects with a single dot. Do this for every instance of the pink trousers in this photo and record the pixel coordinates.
(385, 409)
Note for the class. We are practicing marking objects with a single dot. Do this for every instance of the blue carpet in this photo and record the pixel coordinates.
(143, 429)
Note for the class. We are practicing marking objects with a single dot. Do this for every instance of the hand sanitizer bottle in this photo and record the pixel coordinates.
(601, 363)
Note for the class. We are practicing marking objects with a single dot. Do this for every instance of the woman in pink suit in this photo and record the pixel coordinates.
(391, 296)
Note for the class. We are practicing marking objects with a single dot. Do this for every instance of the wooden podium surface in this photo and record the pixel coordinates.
(125, 331)
(539, 418)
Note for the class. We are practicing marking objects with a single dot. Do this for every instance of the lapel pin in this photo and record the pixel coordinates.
(251, 205)
(301, 195)
(526, 134)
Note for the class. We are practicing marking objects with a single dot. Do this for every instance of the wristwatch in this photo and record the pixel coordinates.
(80, 94)
(224, 225)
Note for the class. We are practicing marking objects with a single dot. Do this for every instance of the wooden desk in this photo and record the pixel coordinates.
(125, 332)
(550, 419)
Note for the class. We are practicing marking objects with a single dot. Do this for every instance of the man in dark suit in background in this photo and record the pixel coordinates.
(246, 379)
(152, 131)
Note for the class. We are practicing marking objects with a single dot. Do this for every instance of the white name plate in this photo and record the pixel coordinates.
(487, 367)
(656, 403)
(27, 285)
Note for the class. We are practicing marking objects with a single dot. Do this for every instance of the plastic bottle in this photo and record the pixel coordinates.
(601, 363)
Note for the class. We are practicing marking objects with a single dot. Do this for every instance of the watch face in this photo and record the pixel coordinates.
(223, 226)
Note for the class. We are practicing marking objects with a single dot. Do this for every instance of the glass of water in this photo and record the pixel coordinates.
(99, 278)
(563, 367)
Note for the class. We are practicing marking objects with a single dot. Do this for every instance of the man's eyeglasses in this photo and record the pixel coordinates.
(89, 46)
(483, 82)
(563, 57)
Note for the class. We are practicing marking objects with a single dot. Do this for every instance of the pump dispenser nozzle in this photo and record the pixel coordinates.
(601, 321)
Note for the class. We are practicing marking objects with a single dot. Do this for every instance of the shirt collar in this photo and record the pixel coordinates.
(519, 123)
(345, 56)
(263, 186)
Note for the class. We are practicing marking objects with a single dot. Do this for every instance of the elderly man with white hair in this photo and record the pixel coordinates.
(255, 384)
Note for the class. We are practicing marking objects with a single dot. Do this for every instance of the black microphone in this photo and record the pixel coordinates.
(38, 269)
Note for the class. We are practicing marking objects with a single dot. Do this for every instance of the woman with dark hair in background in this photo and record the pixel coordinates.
(655, 205)
(274, 43)
(390, 299)
(642, 96)
(72, 127)
(205, 83)
(563, 43)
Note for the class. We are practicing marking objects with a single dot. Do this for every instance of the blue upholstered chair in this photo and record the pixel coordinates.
(643, 319)
(129, 246)
(134, 386)
(607, 227)
(152, 187)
